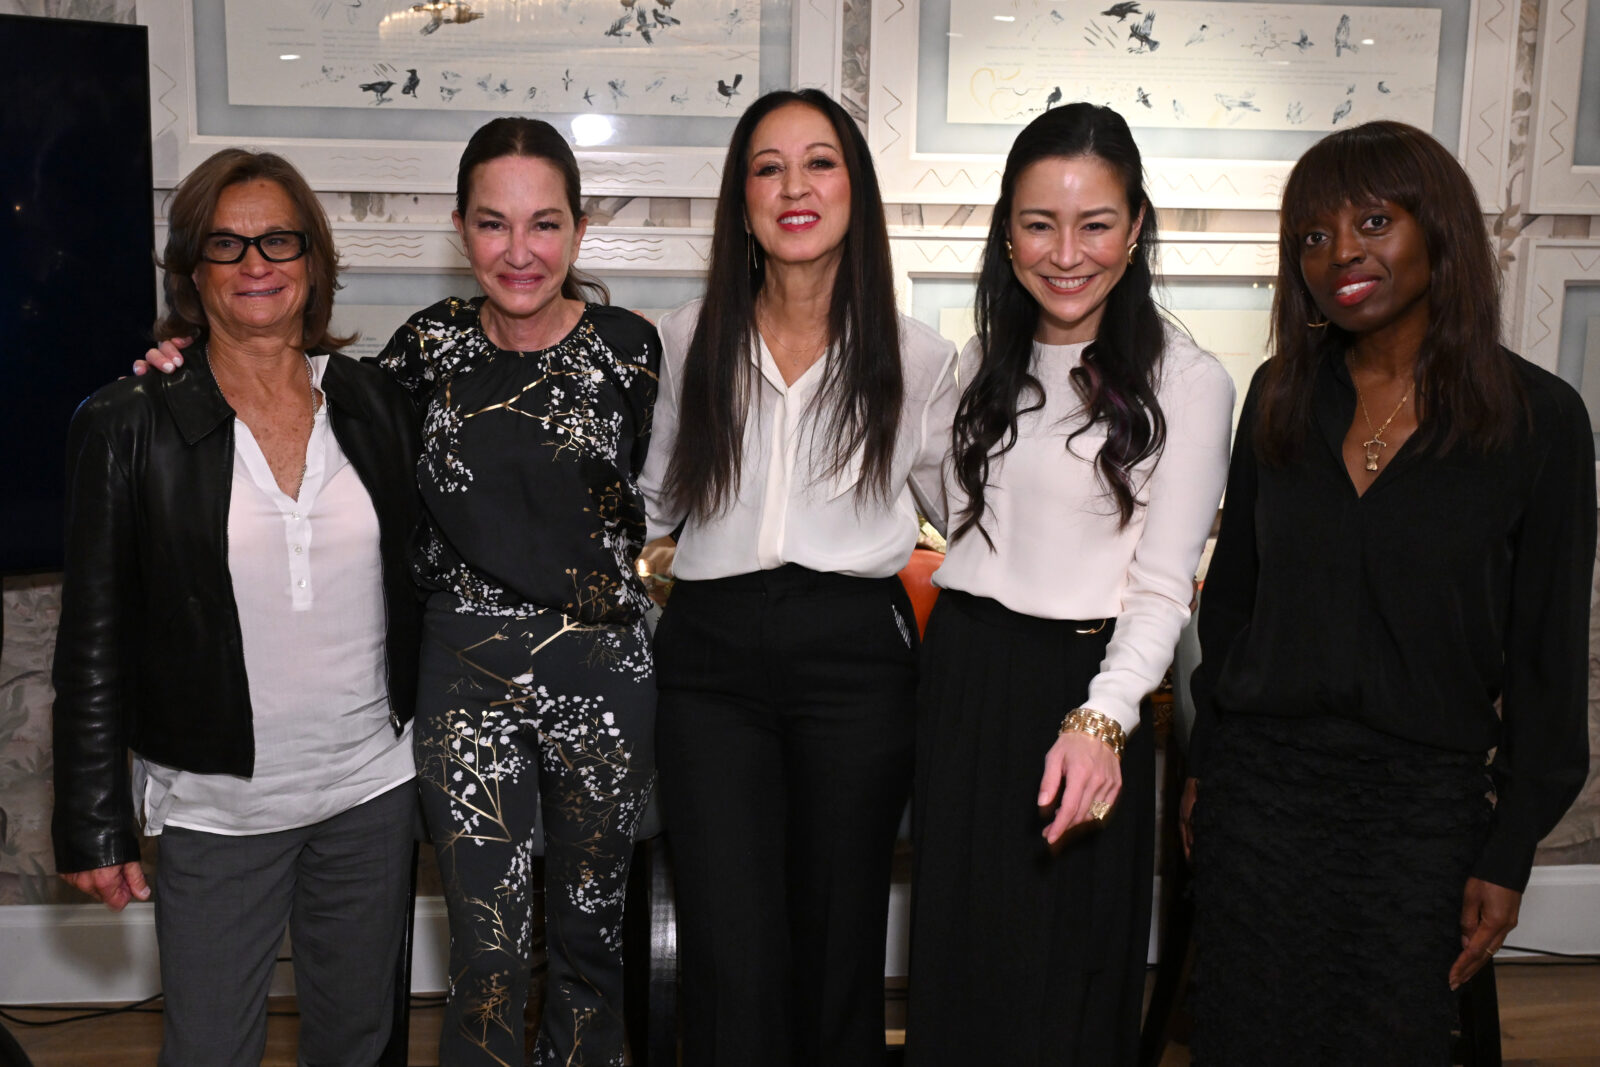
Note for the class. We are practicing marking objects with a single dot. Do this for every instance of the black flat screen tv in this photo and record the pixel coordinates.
(77, 287)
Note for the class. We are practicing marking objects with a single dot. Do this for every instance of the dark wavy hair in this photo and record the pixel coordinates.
(1116, 379)
(857, 406)
(514, 135)
(1467, 387)
(194, 205)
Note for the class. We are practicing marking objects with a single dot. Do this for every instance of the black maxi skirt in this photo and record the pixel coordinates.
(1020, 954)
(1329, 865)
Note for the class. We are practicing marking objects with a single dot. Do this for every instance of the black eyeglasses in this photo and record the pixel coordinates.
(277, 246)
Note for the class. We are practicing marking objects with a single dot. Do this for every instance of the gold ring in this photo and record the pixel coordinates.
(1099, 810)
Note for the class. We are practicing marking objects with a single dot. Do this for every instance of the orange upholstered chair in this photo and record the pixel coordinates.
(917, 576)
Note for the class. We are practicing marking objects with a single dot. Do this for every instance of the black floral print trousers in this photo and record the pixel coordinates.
(527, 726)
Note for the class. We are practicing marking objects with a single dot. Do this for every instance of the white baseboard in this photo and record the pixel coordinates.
(84, 954)
(1561, 910)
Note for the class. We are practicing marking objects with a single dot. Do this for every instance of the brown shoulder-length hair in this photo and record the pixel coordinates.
(1467, 387)
(514, 135)
(857, 404)
(194, 206)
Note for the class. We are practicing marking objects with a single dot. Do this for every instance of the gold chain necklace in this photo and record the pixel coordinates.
(1376, 441)
(311, 384)
(810, 345)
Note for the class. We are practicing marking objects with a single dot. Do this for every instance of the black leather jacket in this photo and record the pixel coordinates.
(149, 654)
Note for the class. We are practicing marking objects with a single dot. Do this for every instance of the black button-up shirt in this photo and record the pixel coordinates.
(1454, 581)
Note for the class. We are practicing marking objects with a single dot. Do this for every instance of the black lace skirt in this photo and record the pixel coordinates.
(1329, 866)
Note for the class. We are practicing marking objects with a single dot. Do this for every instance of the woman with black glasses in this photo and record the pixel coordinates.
(238, 611)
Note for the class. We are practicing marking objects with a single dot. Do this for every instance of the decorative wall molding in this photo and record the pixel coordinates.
(1556, 182)
(1552, 264)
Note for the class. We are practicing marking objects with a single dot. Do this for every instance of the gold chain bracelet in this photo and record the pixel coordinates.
(1101, 727)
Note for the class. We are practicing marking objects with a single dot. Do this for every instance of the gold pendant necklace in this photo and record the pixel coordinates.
(1376, 441)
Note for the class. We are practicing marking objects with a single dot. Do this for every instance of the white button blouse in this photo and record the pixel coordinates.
(787, 509)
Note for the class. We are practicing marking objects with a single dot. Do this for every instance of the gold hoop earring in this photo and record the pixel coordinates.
(1131, 250)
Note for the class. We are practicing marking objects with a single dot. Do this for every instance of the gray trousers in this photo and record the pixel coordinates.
(221, 906)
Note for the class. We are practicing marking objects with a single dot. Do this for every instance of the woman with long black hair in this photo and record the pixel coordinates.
(1401, 586)
(1090, 449)
(798, 416)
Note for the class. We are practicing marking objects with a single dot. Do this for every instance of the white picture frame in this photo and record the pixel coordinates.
(1553, 265)
(340, 163)
(1549, 333)
(912, 175)
(1568, 44)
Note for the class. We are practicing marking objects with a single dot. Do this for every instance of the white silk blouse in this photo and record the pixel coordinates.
(1059, 552)
(788, 510)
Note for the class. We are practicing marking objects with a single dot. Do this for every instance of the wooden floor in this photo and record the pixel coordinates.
(1549, 1015)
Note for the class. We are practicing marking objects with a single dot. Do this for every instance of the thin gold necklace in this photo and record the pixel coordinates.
(311, 384)
(1376, 441)
(814, 342)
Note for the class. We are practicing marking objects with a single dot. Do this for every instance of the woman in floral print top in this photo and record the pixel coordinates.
(536, 690)
(556, 437)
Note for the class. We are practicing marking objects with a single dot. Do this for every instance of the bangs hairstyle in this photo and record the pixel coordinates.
(1467, 387)
(857, 405)
(194, 206)
(528, 138)
(1116, 378)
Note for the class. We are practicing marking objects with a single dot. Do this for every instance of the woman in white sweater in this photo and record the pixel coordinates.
(1090, 451)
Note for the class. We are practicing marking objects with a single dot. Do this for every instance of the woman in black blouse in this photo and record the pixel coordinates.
(1408, 537)
(537, 694)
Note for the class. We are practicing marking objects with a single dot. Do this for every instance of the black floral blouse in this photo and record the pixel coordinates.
(530, 460)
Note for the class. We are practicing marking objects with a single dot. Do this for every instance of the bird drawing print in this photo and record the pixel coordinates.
(1141, 34)
(379, 90)
(412, 81)
(1341, 38)
(1121, 11)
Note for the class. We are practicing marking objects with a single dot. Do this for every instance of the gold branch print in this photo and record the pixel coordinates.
(524, 726)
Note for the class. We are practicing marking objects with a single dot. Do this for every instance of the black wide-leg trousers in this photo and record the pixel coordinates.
(785, 745)
(1021, 954)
